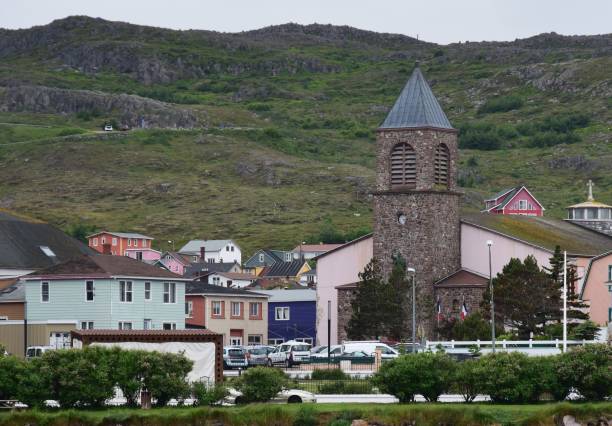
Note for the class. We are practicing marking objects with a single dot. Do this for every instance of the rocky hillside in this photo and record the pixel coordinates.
(276, 126)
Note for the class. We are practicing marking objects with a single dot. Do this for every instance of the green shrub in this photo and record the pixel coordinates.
(542, 140)
(10, 367)
(126, 373)
(501, 104)
(428, 374)
(306, 416)
(205, 394)
(585, 331)
(469, 378)
(328, 374)
(164, 375)
(261, 384)
(588, 369)
(481, 136)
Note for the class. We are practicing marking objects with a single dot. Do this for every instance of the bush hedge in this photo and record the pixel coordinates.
(88, 377)
(507, 377)
(261, 384)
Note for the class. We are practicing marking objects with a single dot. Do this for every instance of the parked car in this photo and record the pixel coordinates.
(370, 347)
(335, 350)
(37, 351)
(356, 357)
(290, 353)
(108, 127)
(234, 357)
(258, 355)
(407, 347)
(286, 396)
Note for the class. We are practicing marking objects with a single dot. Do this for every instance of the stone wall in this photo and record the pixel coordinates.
(451, 298)
(345, 297)
(603, 226)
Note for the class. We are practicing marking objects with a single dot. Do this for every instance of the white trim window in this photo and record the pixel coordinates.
(125, 291)
(281, 313)
(275, 342)
(95, 242)
(90, 292)
(125, 325)
(261, 258)
(87, 325)
(44, 292)
(129, 242)
(254, 309)
(254, 339)
(288, 257)
(147, 291)
(169, 292)
(114, 241)
(147, 324)
(216, 308)
(522, 205)
(189, 309)
(216, 280)
(235, 309)
(169, 326)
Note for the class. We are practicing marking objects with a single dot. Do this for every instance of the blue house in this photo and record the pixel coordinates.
(292, 315)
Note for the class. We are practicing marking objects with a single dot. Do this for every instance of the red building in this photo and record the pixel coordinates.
(517, 200)
(116, 243)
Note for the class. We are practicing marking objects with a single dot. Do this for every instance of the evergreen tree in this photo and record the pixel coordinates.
(575, 308)
(398, 288)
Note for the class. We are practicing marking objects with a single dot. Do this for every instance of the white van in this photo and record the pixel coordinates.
(37, 351)
(290, 353)
(370, 347)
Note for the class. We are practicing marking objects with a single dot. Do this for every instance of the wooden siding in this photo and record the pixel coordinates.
(12, 310)
(11, 335)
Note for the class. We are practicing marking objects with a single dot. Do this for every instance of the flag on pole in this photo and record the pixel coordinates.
(464, 311)
(439, 310)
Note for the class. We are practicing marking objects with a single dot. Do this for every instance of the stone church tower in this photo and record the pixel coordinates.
(416, 203)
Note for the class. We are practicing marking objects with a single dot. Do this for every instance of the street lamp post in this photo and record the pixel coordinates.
(412, 273)
(328, 331)
(489, 244)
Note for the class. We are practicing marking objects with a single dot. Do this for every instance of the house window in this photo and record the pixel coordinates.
(147, 291)
(441, 162)
(87, 325)
(211, 260)
(95, 242)
(228, 283)
(236, 309)
(44, 291)
(89, 291)
(129, 242)
(125, 291)
(114, 241)
(255, 310)
(254, 339)
(232, 248)
(609, 273)
(281, 313)
(216, 309)
(125, 325)
(169, 326)
(103, 240)
(195, 258)
(147, 324)
(522, 204)
(169, 292)
(138, 255)
(135, 242)
(275, 342)
(261, 258)
(304, 340)
(310, 279)
(227, 248)
(287, 257)
(216, 280)
(189, 309)
(403, 166)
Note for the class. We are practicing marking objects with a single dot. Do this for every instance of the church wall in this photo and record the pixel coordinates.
(452, 298)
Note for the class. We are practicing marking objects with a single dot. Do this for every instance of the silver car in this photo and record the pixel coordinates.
(258, 355)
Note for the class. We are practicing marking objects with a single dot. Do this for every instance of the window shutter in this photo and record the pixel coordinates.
(403, 166)
(441, 161)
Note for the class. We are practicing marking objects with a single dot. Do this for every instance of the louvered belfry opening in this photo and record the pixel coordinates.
(403, 166)
(441, 165)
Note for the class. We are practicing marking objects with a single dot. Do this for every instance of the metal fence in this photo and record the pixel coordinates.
(350, 385)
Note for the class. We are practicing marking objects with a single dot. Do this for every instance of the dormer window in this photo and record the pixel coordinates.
(261, 258)
(441, 162)
(403, 166)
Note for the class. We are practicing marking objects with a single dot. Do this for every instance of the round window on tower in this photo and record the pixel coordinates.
(401, 218)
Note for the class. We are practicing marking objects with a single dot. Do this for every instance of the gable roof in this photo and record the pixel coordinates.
(275, 255)
(284, 269)
(194, 246)
(355, 241)
(238, 276)
(297, 295)
(122, 235)
(102, 266)
(543, 232)
(463, 278)
(204, 289)
(500, 193)
(181, 258)
(21, 240)
(416, 107)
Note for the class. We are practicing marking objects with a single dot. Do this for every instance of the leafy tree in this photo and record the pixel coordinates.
(588, 369)
(127, 372)
(261, 384)
(526, 298)
(9, 368)
(469, 377)
(425, 373)
(164, 375)
(473, 327)
(205, 394)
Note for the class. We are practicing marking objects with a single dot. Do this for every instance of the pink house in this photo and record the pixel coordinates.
(517, 200)
(597, 288)
(175, 262)
(147, 255)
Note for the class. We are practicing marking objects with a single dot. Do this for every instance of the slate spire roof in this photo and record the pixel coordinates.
(416, 106)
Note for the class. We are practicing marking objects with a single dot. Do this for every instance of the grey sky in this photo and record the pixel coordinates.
(441, 21)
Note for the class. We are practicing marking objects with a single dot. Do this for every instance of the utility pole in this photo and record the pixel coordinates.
(412, 273)
(328, 332)
(489, 244)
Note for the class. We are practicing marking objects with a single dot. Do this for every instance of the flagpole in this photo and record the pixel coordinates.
(565, 301)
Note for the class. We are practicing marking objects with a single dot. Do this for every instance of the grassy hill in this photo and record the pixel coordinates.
(277, 126)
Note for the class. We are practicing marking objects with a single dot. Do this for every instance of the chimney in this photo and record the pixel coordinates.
(202, 254)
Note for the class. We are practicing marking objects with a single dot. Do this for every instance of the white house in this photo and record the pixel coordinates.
(231, 279)
(212, 251)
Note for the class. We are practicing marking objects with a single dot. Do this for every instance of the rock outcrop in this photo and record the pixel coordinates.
(131, 111)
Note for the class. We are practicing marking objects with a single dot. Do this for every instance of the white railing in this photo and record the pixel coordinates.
(530, 346)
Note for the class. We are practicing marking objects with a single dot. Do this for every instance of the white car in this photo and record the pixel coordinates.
(290, 353)
(286, 396)
(370, 347)
(335, 350)
(108, 128)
